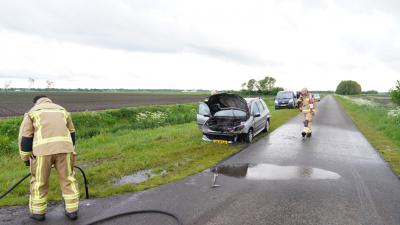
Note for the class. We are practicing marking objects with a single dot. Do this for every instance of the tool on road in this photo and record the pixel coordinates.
(214, 183)
(29, 174)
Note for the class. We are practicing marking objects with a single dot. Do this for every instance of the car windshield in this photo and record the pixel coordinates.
(316, 95)
(230, 113)
(285, 95)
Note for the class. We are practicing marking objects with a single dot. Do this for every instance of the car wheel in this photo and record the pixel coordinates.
(249, 136)
(266, 128)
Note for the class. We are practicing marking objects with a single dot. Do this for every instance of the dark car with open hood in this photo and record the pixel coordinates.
(226, 118)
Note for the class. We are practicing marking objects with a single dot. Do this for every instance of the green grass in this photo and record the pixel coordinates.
(382, 131)
(119, 147)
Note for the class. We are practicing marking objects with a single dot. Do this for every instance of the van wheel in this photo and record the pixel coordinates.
(249, 136)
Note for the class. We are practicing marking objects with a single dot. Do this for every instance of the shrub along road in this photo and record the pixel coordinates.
(336, 177)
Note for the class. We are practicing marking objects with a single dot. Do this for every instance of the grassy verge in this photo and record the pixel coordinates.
(113, 145)
(381, 130)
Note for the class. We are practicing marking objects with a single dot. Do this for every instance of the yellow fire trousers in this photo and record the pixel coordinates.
(40, 170)
(308, 116)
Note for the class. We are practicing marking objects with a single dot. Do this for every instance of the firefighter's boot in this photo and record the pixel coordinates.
(38, 217)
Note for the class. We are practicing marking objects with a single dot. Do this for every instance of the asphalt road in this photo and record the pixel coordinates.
(336, 177)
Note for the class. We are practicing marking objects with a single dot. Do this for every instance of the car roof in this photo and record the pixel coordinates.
(248, 100)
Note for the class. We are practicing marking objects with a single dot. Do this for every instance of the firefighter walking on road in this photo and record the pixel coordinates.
(46, 139)
(306, 106)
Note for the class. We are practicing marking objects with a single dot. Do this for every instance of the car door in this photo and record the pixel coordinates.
(265, 108)
(257, 124)
(263, 112)
(203, 114)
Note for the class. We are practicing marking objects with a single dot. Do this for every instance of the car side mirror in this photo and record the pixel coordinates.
(257, 115)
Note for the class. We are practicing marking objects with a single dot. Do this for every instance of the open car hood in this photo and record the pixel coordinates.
(220, 101)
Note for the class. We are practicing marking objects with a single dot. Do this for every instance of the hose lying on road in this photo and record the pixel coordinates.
(176, 218)
(29, 174)
(87, 197)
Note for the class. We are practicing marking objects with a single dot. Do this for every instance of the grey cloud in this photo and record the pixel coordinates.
(231, 54)
(126, 25)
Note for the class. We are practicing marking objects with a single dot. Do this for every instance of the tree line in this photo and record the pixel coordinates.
(265, 86)
(350, 87)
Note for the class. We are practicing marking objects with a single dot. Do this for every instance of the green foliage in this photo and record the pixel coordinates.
(265, 86)
(381, 126)
(395, 93)
(92, 124)
(348, 87)
(251, 84)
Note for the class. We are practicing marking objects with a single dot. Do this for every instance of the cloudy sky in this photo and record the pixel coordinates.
(207, 44)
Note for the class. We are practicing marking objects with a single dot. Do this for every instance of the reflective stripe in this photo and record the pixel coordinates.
(70, 175)
(72, 205)
(38, 201)
(34, 198)
(52, 139)
(36, 191)
(30, 203)
(35, 116)
(71, 197)
(25, 153)
(39, 140)
(39, 208)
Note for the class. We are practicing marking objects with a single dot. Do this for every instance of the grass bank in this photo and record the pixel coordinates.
(116, 143)
(379, 123)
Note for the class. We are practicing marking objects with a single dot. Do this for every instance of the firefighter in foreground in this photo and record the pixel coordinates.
(46, 139)
(306, 106)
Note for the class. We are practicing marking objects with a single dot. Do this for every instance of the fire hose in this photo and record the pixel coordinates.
(29, 174)
(173, 216)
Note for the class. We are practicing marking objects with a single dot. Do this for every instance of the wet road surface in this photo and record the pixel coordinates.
(336, 177)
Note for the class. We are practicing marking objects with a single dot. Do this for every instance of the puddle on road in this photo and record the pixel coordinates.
(138, 177)
(274, 172)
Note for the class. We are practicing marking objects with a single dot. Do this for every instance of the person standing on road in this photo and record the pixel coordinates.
(306, 106)
(46, 139)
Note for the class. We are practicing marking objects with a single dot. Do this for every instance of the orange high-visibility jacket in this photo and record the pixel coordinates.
(307, 104)
(47, 129)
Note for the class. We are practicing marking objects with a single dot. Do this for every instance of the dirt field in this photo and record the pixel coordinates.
(13, 104)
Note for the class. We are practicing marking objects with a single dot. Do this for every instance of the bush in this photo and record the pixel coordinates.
(395, 93)
(348, 87)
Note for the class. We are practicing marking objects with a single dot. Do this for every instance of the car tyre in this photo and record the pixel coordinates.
(249, 136)
(267, 126)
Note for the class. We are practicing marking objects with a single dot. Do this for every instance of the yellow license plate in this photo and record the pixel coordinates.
(221, 142)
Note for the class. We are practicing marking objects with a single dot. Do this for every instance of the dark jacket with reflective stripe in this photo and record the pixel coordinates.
(47, 129)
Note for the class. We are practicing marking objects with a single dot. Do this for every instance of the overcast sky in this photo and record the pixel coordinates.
(207, 44)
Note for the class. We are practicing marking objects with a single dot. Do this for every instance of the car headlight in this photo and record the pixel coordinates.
(290, 100)
(239, 128)
(276, 102)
